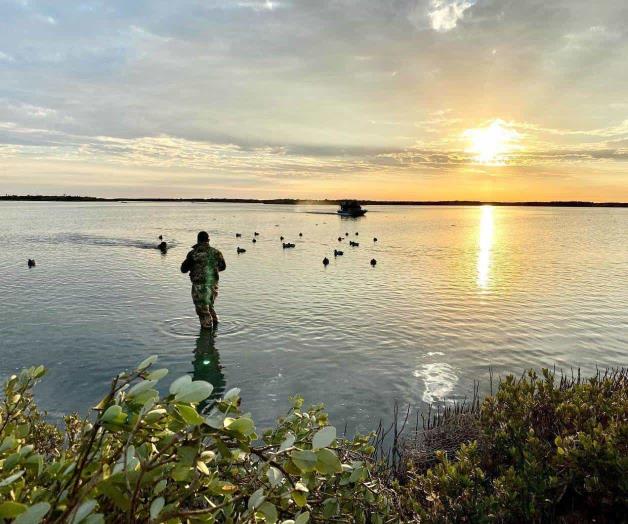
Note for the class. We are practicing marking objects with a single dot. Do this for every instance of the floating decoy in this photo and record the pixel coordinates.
(31, 262)
(287, 245)
(354, 244)
(238, 235)
(338, 253)
(240, 250)
(254, 240)
(325, 261)
(256, 234)
(373, 262)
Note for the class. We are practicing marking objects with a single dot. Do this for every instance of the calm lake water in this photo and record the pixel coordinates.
(456, 291)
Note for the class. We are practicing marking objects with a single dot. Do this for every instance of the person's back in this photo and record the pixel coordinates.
(204, 263)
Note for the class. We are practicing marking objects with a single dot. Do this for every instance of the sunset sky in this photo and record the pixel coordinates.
(389, 99)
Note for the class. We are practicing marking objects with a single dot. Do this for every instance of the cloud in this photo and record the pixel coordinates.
(444, 15)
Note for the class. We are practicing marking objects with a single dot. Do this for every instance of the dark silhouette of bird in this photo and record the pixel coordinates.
(339, 239)
(346, 234)
(287, 245)
(240, 250)
(281, 238)
(354, 244)
(163, 247)
(256, 234)
(254, 240)
(31, 262)
(238, 235)
(300, 234)
(325, 261)
(338, 253)
(373, 262)
(161, 237)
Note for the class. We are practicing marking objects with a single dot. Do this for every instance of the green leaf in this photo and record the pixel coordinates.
(158, 374)
(269, 511)
(147, 362)
(302, 518)
(274, 476)
(114, 415)
(83, 511)
(299, 498)
(11, 509)
(256, 499)
(141, 387)
(232, 394)
(156, 506)
(34, 514)
(242, 425)
(324, 437)
(189, 414)
(179, 383)
(287, 443)
(161, 485)
(11, 478)
(194, 392)
(327, 462)
(305, 460)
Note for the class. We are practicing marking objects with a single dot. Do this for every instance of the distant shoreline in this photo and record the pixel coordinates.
(291, 201)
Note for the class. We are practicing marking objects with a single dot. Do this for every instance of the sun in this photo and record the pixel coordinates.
(492, 145)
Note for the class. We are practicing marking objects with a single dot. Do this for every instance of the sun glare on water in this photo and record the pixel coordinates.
(493, 144)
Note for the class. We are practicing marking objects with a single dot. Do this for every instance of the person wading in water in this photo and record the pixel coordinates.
(204, 263)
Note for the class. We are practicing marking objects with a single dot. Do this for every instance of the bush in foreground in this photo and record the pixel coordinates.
(150, 459)
(548, 450)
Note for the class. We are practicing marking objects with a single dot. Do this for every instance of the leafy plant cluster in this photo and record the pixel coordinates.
(143, 458)
(549, 450)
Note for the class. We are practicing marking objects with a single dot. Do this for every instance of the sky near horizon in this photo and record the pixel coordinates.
(378, 99)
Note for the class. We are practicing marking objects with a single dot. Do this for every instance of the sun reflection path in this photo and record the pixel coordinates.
(486, 245)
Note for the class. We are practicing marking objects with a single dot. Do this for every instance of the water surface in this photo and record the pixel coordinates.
(456, 291)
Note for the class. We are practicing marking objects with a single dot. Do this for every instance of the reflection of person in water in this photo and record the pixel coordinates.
(207, 366)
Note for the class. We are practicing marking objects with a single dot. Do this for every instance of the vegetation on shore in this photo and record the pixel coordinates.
(296, 201)
(541, 449)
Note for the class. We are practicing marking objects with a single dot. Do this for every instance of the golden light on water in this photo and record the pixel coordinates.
(485, 247)
(492, 145)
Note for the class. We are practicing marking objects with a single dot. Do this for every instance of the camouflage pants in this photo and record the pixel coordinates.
(203, 296)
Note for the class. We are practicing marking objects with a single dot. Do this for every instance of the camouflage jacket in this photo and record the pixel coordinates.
(203, 262)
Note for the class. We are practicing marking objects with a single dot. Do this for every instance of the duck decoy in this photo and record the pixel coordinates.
(31, 262)
(338, 253)
(325, 261)
(354, 244)
(373, 262)
(240, 250)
